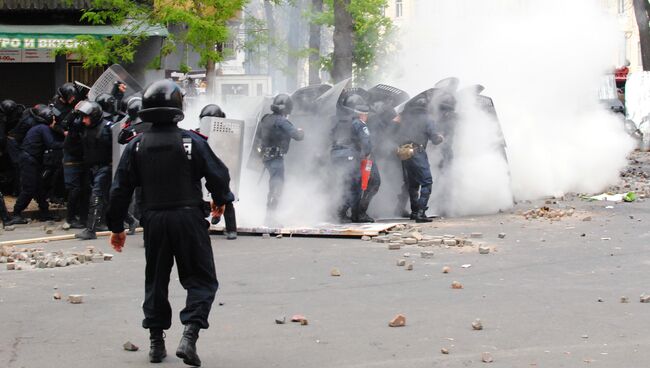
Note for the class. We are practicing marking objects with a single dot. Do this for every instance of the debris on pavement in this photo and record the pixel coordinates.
(625, 299)
(483, 249)
(57, 296)
(398, 321)
(38, 258)
(426, 254)
(75, 299)
(548, 213)
(477, 325)
(456, 285)
(335, 272)
(281, 320)
(446, 269)
(487, 358)
(304, 322)
(409, 267)
(502, 235)
(644, 298)
(401, 262)
(466, 265)
(129, 346)
(444, 351)
(297, 318)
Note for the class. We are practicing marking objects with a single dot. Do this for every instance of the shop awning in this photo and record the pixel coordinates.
(60, 35)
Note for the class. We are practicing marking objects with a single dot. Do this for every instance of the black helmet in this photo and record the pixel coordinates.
(212, 110)
(282, 104)
(107, 102)
(133, 106)
(356, 104)
(420, 104)
(162, 102)
(43, 114)
(92, 109)
(66, 91)
(8, 106)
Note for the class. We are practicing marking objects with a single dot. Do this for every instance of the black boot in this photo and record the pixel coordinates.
(93, 220)
(421, 216)
(360, 215)
(4, 214)
(132, 222)
(187, 347)
(18, 219)
(157, 351)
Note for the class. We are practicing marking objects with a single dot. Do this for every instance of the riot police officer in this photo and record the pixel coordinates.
(38, 140)
(108, 104)
(350, 143)
(416, 130)
(168, 163)
(274, 135)
(73, 173)
(97, 142)
(229, 213)
(64, 102)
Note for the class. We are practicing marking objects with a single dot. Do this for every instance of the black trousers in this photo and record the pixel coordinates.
(181, 235)
(31, 181)
(229, 217)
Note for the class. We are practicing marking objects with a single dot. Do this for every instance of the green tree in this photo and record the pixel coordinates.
(203, 25)
(361, 37)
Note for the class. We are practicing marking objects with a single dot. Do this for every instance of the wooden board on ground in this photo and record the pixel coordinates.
(346, 230)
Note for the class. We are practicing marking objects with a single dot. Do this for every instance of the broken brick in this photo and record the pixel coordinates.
(398, 321)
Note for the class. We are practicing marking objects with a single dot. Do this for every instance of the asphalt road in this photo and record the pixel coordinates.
(537, 295)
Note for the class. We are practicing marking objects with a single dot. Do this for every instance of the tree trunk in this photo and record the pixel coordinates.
(343, 41)
(271, 54)
(314, 44)
(210, 78)
(642, 21)
(293, 39)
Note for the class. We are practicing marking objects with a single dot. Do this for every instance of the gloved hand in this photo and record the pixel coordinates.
(217, 211)
(118, 240)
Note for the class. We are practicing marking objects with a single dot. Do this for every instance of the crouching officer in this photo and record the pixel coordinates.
(229, 215)
(416, 130)
(274, 136)
(168, 163)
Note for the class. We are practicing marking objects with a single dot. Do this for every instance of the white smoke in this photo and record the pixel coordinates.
(541, 62)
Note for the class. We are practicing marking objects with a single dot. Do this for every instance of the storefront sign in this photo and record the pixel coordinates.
(38, 41)
(26, 56)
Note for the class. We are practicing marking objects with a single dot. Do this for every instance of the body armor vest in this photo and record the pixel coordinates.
(97, 150)
(272, 136)
(164, 161)
(342, 135)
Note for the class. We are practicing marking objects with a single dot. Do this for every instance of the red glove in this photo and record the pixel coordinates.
(217, 211)
(118, 240)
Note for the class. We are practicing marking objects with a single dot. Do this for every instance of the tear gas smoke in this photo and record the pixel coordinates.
(541, 62)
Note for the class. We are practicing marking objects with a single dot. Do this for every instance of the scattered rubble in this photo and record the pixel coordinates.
(57, 296)
(444, 351)
(446, 269)
(409, 267)
(366, 238)
(477, 325)
(335, 272)
(129, 346)
(401, 262)
(487, 358)
(549, 213)
(304, 322)
(426, 254)
(38, 258)
(75, 299)
(482, 249)
(297, 318)
(625, 299)
(281, 320)
(502, 235)
(398, 321)
(644, 298)
(456, 285)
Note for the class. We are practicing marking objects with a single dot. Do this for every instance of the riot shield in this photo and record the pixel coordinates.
(389, 94)
(117, 148)
(254, 161)
(328, 100)
(449, 85)
(113, 74)
(226, 138)
(304, 98)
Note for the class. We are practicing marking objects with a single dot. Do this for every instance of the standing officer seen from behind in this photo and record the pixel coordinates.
(168, 163)
(274, 135)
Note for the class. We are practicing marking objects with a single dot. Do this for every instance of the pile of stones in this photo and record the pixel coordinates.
(19, 258)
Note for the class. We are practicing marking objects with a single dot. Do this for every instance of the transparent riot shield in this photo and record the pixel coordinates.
(113, 74)
(226, 138)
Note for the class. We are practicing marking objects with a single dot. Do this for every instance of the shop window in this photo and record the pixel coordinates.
(399, 10)
(87, 76)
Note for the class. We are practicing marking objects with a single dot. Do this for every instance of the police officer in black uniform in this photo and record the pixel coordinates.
(10, 113)
(15, 136)
(107, 102)
(168, 163)
(417, 129)
(64, 101)
(229, 213)
(97, 142)
(38, 139)
(274, 135)
(350, 139)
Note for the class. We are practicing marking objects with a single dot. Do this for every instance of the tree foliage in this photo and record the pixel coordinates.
(371, 34)
(203, 25)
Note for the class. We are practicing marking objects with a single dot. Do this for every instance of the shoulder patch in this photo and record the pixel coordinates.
(366, 131)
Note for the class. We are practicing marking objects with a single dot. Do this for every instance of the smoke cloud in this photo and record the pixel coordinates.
(541, 62)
